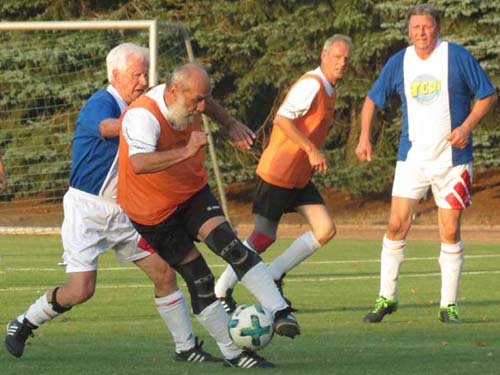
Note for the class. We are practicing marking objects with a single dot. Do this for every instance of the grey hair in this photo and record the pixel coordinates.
(118, 57)
(426, 10)
(181, 75)
(337, 38)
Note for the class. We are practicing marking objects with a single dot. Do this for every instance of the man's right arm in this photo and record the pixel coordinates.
(156, 161)
(316, 158)
(141, 130)
(109, 127)
(368, 114)
(385, 85)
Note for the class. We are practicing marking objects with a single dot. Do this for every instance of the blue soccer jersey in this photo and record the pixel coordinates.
(93, 161)
(436, 98)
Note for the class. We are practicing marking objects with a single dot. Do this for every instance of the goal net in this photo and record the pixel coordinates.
(45, 77)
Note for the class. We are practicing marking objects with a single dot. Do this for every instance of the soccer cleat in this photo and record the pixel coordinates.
(279, 284)
(449, 314)
(248, 359)
(17, 334)
(382, 307)
(228, 302)
(196, 354)
(285, 323)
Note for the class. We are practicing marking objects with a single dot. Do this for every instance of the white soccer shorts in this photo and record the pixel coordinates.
(92, 225)
(451, 186)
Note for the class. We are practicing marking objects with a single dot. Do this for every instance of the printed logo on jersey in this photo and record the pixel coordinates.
(425, 89)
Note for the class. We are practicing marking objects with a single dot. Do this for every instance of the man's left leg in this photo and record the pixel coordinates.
(322, 231)
(252, 272)
(451, 260)
(173, 309)
(262, 236)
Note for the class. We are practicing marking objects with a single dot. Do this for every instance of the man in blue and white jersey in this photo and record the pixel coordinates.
(435, 81)
(94, 222)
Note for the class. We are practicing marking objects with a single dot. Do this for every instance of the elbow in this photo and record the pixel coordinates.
(137, 165)
(278, 121)
(494, 99)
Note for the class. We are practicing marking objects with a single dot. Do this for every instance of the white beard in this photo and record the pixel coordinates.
(177, 115)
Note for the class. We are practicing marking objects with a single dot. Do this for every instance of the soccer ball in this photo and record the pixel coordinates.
(251, 326)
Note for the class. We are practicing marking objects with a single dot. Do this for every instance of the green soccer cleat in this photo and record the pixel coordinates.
(449, 314)
(382, 307)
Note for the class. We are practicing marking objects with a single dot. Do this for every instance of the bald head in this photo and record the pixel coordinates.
(186, 76)
(186, 94)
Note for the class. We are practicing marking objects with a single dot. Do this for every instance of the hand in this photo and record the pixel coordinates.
(318, 161)
(241, 135)
(459, 137)
(196, 141)
(364, 151)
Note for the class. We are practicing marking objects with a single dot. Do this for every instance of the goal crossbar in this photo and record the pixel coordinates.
(150, 25)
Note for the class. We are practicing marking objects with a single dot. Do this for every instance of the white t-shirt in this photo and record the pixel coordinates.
(140, 127)
(301, 96)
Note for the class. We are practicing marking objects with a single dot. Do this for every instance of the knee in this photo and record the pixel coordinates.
(223, 242)
(398, 227)
(449, 233)
(200, 283)
(75, 296)
(164, 278)
(326, 233)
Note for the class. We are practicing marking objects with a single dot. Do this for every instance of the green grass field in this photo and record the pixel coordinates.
(119, 331)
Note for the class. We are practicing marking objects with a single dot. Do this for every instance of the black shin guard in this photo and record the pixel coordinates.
(223, 242)
(55, 305)
(200, 283)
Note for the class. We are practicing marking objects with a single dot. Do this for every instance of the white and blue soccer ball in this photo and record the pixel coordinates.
(251, 327)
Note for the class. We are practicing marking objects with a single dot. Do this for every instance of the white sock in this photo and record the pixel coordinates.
(393, 254)
(260, 283)
(174, 311)
(215, 320)
(451, 260)
(300, 249)
(39, 312)
(228, 279)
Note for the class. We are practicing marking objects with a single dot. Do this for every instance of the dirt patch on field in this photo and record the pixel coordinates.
(356, 217)
(366, 217)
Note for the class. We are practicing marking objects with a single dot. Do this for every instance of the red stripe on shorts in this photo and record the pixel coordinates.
(453, 201)
(144, 245)
(462, 193)
(467, 180)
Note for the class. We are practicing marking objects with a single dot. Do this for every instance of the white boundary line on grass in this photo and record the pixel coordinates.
(311, 263)
(288, 280)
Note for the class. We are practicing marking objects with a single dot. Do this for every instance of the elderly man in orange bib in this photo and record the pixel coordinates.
(163, 188)
(287, 164)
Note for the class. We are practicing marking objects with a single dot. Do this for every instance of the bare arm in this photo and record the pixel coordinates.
(368, 115)
(240, 134)
(109, 127)
(316, 158)
(151, 162)
(459, 137)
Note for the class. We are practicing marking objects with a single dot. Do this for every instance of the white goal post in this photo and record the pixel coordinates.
(48, 70)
